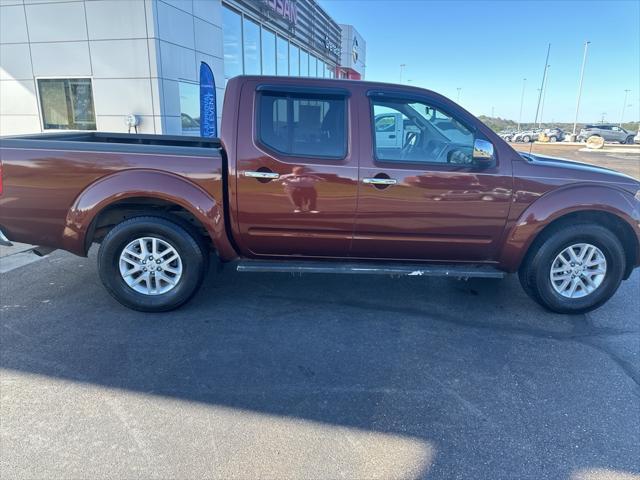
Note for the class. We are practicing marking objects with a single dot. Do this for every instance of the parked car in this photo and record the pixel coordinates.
(554, 134)
(316, 192)
(636, 139)
(527, 136)
(610, 133)
(507, 136)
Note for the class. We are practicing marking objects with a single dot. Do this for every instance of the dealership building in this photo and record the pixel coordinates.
(91, 64)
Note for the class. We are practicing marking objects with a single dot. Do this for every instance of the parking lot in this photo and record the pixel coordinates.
(274, 376)
(623, 158)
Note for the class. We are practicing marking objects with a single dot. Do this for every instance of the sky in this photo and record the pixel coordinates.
(487, 48)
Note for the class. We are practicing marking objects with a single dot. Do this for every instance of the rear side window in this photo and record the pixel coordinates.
(303, 125)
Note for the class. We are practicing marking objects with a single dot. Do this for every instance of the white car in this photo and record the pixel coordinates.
(636, 139)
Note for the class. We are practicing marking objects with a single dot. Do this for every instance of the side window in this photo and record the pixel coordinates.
(385, 123)
(303, 125)
(429, 135)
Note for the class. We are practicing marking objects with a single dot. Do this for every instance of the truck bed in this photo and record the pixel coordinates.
(49, 179)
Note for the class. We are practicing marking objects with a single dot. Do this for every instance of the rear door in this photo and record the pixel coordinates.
(296, 176)
(426, 199)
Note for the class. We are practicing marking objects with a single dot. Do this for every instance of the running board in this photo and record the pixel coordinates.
(375, 268)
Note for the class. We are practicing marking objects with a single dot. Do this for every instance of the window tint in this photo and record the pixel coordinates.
(268, 52)
(304, 63)
(428, 135)
(282, 56)
(294, 61)
(251, 48)
(303, 125)
(67, 104)
(232, 42)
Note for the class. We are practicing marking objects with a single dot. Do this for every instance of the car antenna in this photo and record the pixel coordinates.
(544, 77)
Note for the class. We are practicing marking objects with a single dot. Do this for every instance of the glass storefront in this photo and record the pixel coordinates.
(250, 48)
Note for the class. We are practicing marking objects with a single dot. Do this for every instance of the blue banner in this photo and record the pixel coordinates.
(208, 108)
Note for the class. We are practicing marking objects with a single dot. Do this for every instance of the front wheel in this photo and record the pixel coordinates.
(574, 269)
(152, 264)
(526, 139)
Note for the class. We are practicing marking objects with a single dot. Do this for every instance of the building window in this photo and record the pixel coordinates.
(189, 108)
(268, 52)
(304, 63)
(313, 65)
(321, 69)
(282, 56)
(304, 125)
(67, 104)
(232, 40)
(294, 61)
(251, 45)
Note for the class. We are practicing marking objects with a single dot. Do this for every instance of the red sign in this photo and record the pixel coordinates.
(286, 8)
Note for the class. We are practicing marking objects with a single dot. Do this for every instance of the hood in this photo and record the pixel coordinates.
(578, 171)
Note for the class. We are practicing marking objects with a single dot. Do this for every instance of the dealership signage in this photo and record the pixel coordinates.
(285, 8)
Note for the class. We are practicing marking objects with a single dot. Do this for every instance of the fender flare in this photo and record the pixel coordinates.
(144, 183)
(559, 203)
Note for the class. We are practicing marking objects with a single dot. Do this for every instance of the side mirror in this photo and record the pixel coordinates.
(483, 155)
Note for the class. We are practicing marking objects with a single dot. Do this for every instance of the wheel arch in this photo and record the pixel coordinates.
(135, 192)
(607, 206)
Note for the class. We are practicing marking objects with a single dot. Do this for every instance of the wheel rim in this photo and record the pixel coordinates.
(150, 266)
(578, 270)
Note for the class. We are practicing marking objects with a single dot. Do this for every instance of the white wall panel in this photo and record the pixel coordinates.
(13, 25)
(66, 59)
(114, 19)
(18, 97)
(56, 22)
(15, 62)
(122, 96)
(177, 62)
(120, 58)
(208, 38)
(174, 25)
(209, 10)
(18, 124)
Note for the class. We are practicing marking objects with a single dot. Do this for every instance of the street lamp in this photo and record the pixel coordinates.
(584, 61)
(545, 87)
(458, 98)
(402, 65)
(624, 105)
(524, 83)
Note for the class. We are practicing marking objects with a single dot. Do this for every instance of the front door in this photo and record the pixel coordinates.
(426, 199)
(297, 176)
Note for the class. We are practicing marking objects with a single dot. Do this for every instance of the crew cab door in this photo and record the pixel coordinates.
(427, 199)
(296, 177)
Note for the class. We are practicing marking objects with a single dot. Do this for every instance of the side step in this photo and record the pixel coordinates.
(376, 268)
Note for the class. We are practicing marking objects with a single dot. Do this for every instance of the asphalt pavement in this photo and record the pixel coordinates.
(316, 377)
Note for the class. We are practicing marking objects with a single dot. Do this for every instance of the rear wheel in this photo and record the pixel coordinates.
(629, 140)
(553, 139)
(526, 139)
(152, 264)
(574, 269)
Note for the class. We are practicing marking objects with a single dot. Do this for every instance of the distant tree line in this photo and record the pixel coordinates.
(498, 124)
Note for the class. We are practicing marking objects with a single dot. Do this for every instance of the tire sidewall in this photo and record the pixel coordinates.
(191, 255)
(594, 235)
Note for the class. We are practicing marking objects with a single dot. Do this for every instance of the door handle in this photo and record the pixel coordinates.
(261, 175)
(379, 181)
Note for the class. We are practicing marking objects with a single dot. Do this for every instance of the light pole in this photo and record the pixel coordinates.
(402, 65)
(524, 83)
(624, 105)
(584, 61)
(544, 95)
(492, 112)
(458, 98)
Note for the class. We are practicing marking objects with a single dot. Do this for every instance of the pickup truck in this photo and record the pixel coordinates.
(298, 183)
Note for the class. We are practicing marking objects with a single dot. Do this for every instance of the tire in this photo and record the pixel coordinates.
(553, 139)
(152, 294)
(535, 271)
(629, 140)
(526, 139)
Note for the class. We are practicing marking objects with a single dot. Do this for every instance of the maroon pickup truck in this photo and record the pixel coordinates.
(323, 176)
